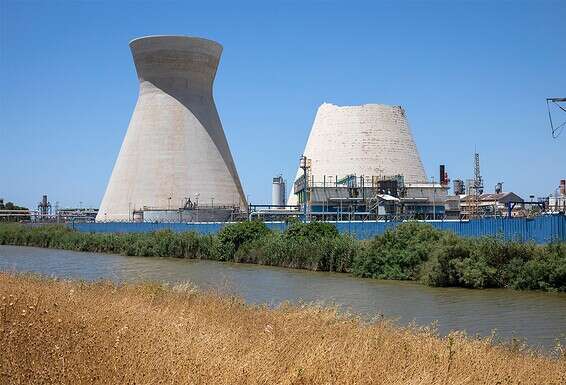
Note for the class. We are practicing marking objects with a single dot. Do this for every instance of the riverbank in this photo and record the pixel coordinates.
(412, 251)
(77, 332)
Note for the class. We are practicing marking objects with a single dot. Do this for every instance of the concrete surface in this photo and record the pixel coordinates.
(175, 147)
(369, 140)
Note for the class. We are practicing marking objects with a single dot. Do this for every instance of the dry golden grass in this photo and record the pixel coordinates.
(55, 332)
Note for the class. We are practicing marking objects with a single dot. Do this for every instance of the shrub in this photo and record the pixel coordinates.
(345, 249)
(493, 262)
(398, 253)
(323, 254)
(311, 231)
(233, 236)
(440, 269)
(546, 271)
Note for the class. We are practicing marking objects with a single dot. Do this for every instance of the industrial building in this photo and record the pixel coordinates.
(83, 214)
(359, 163)
(369, 198)
(492, 204)
(557, 202)
(175, 155)
(367, 140)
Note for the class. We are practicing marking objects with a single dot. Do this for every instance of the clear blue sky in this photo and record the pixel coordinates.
(469, 74)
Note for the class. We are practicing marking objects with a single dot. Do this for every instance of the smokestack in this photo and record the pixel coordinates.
(563, 187)
(442, 177)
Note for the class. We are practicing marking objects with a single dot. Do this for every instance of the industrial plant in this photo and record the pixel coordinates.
(360, 163)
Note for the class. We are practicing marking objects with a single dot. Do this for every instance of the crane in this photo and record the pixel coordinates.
(556, 130)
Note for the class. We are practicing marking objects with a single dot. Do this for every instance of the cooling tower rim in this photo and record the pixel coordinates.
(358, 106)
(171, 39)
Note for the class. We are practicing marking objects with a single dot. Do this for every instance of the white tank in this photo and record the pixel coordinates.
(278, 191)
(368, 140)
(175, 147)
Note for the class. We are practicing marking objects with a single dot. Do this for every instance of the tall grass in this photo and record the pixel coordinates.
(61, 332)
(412, 251)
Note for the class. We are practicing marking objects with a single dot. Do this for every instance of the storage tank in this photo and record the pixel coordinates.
(278, 191)
(368, 140)
(175, 145)
(459, 187)
(499, 187)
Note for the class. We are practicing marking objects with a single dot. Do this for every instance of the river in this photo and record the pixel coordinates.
(537, 317)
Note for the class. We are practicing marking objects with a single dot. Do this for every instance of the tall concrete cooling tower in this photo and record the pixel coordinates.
(175, 147)
(369, 140)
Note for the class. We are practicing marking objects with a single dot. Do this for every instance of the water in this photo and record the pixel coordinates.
(539, 318)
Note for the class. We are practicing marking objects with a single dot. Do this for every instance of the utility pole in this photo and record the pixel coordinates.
(305, 164)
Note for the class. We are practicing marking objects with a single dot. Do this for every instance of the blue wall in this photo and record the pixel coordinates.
(542, 229)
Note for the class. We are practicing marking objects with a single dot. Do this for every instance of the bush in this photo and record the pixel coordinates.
(233, 236)
(331, 253)
(311, 231)
(440, 269)
(398, 253)
(492, 262)
(345, 249)
(546, 271)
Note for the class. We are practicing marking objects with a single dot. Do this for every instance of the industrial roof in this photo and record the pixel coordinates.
(504, 196)
(497, 197)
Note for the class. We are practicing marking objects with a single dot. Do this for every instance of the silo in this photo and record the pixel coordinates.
(175, 148)
(369, 140)
(459, 187)
(278, 191)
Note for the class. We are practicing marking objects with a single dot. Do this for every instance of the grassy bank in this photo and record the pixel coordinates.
(412, 251)
(98, 333)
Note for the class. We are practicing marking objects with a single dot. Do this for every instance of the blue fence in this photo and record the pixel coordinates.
(542, 229)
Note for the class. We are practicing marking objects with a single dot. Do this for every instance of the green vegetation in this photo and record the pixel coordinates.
(412, 251)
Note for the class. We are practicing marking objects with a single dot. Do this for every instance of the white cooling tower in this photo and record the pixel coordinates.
(368, 140)
(175, 147)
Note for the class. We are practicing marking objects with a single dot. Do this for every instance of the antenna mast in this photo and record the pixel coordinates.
(478, 182)
(475, 189)
(556, 129)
